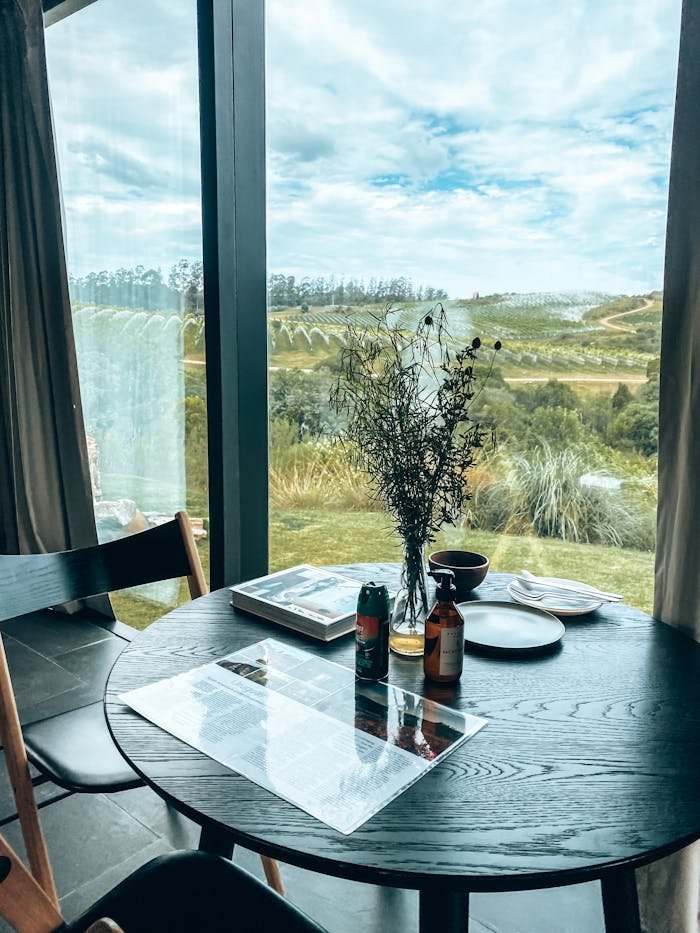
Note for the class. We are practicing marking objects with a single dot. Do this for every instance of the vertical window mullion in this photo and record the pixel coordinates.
(231, 61)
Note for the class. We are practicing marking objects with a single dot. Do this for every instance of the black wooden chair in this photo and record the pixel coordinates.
(181, 892)
(73, 748)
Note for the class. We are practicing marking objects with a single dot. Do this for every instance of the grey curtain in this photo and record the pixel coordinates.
(670, 890)
(45, 497)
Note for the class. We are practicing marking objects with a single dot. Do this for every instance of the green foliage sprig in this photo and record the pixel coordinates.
(407, 400)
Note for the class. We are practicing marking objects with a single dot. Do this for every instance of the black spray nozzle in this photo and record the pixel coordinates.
(446, 589)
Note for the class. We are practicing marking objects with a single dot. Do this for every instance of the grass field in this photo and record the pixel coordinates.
(335, 537)
(322, 537)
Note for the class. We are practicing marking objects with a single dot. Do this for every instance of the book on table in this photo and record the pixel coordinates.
(305, 729)
(316, 602)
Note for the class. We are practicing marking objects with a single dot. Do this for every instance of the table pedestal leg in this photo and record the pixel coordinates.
(443, 911)
(620, 904)
(216, 842)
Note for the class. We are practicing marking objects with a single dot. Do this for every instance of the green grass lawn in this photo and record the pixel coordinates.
(330, 537)
(316, 536)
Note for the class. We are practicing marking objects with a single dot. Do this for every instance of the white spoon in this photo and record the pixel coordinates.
(528, 579)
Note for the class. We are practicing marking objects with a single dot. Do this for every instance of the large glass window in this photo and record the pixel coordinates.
(510, 160)
(123, 80)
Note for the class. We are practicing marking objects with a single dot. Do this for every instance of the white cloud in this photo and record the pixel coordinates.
(490, 146)
(523, 140)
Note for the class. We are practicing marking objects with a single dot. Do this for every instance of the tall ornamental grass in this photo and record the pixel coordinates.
(314, 474)
(534, 492)
(540, 492)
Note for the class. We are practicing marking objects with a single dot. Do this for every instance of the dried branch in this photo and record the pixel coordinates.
(407, 400)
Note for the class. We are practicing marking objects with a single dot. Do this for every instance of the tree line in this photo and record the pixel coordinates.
(286, 291)
(183, 289)
(146, 289)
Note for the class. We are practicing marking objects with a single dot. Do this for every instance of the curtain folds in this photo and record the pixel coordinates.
(45, 496)
(670, 889)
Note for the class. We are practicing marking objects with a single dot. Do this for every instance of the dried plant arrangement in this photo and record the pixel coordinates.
(407, 400)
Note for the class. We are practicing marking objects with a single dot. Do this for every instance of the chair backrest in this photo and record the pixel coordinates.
(28, 899)
(29, 582)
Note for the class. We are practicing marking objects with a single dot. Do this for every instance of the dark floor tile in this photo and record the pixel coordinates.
(86, 835)
(92, 663)
(577, 908)
(144, 805)
(34, 677)
(51, 633)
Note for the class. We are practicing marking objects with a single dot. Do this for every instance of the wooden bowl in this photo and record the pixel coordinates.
(469, 568)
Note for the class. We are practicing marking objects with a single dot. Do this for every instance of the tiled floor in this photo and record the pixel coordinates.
(95, 841)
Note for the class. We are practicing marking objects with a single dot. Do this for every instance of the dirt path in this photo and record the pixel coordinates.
(605, 321)
(630, 380)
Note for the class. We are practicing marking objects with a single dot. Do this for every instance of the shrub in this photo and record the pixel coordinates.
(313, 474)
(540, 492)
(558, 427)
(621, 398)
(302, 399)
(553, 394)
(636, 428)
(196, 443)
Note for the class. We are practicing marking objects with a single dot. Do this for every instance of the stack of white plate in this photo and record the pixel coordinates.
(558, 595)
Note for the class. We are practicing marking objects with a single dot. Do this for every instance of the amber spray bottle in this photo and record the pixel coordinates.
(444, 633)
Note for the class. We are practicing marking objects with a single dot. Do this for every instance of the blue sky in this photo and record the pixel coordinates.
(498, 146)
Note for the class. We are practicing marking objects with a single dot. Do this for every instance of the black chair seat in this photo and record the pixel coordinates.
(73, 747)
(187, 892)
(76, 751)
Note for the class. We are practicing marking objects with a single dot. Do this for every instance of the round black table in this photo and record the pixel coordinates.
(588, 766)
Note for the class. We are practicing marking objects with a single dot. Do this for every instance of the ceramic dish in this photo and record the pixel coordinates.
(504, 628)
(557, 603)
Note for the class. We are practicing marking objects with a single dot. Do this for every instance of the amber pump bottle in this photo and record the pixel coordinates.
(444, 633)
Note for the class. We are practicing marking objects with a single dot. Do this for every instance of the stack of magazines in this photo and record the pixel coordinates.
(315, 602)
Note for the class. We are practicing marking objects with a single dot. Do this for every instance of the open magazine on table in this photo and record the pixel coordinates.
(306, 729)
(317, 602)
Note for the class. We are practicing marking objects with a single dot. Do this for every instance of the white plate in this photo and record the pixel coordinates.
(574, 606)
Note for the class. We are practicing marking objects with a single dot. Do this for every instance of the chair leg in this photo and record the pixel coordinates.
(620, 904)
(272, 874)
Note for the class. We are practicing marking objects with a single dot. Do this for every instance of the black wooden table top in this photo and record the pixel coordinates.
(590, 759)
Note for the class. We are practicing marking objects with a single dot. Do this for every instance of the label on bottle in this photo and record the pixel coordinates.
(451, 650)
(371, 647)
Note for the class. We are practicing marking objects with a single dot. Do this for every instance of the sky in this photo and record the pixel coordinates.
(498, 146)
